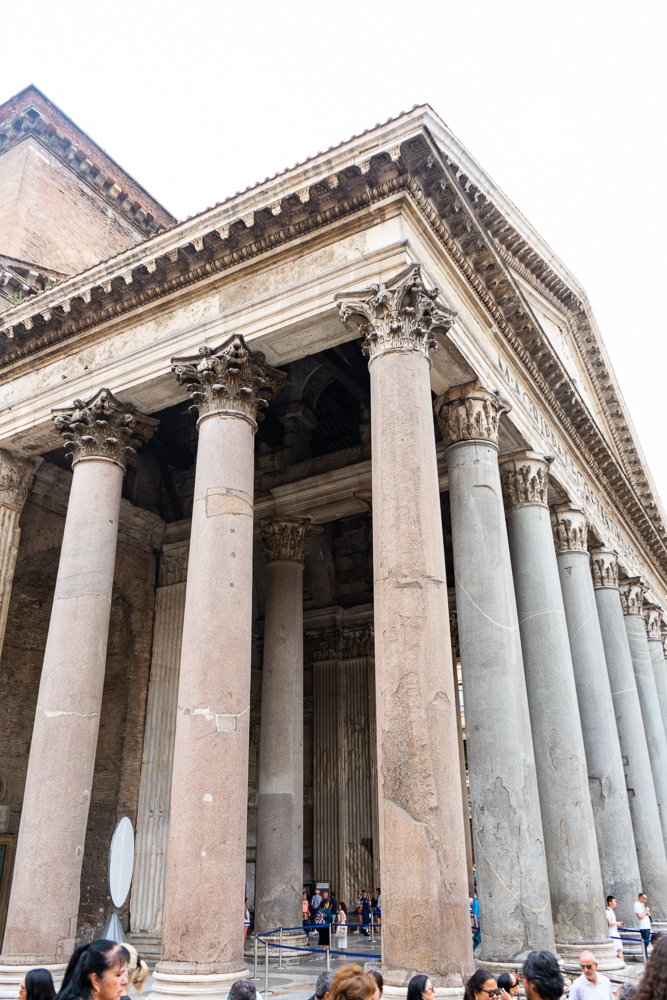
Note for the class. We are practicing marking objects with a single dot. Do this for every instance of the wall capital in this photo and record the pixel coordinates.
(470, 412)
(15, 476)
(103, 428)
(230, 380)
(398, 315)
(524, 476)
(570, 528)
(343, 644)
(285, 539)
(632, 592)
(653, 619)
(604, 568)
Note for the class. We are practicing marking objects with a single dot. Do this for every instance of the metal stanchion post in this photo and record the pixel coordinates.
(255, 976)
(328, 958)
(372, 931)
(266, 968)
(280, 950)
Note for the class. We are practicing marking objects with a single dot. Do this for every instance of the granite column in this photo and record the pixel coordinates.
(279, 879)
(630, 725)
(206, 848)
(606, 779)
(653, 617)
(422, 842)
(42, 917)
(513, 886)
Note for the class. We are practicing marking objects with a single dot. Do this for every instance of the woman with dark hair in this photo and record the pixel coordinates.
(37, 985)
(653, 985)
(420, 987)
(542, 978)
(96, 971)
(481, 986)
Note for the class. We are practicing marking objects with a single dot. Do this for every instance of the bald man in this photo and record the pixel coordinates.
(591, 984)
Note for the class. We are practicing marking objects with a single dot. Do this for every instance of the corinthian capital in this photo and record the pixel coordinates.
(399, 315)
(285, 540)
(470, 412)
(230, 380)
(632, 595)
(525, 479)
(570, 528)
(604, 568)
(653, 619)
(104, 427)
(15, 474)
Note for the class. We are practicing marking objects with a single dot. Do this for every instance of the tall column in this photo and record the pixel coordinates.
(567, 814)
(15, 476)
(512, 881)
(205, 874)
(606, 780)
(42, 917)
(653, 617)
(279, 880)
(422, 845)
(632, 599)
(629, 723)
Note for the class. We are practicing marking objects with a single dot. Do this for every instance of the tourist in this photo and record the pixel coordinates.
(643, 919)
(316, 901)
(376, 905)
(352, 983)
(420, 987)
(322, 986)
(591, 984)
(137, 969)
(37, 985)
(508, 982)
(366, 915)
(613, 924)
(474, 923)
(542, 978)
(481, 986)
(246, 919)
(322, 919)
(305, 909)
(627, 991)
(378, 977)
(243, 989)
(653, 985)
(341, 927)
(97, 970)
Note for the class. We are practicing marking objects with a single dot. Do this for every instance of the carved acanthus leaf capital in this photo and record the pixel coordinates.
(285, 539)
(104, 427)
(15, 476)
(653, 619)
(570, 528)
(230, 379)
(470, 412)
(525, 479)
(604, 568)
(399, 315)
(632, 592)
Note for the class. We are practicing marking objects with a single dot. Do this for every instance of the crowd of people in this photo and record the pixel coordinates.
(323, 912)
(99, 970)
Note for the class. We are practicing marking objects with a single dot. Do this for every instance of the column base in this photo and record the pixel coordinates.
(291, 939)
(605, 953)
(173, 986)
(11, 977)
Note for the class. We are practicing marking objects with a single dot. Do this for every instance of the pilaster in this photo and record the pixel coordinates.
(15, 476)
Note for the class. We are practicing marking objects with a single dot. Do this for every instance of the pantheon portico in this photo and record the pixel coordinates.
(327, 554)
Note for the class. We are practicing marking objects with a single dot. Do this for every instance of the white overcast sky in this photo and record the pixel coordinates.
(562, 103)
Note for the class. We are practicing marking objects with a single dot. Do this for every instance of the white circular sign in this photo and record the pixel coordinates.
(121, 861)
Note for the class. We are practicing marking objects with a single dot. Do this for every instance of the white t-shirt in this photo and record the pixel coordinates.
(582, 989)
(614, 932)
(642, 919)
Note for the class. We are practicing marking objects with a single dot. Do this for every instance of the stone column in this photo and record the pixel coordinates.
(606, 780)
(15, 474)
(653, 617)
(567, 814)
(205, 874)
(422, 844)
(42, 917)
(632, 599)
(279, 879)
(512, 881)
(629, 723)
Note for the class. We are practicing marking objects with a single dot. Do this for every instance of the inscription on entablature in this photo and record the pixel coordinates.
(597, 514)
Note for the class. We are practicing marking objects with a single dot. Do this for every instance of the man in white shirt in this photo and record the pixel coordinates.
(643, 919)
(591, 984)
(613, 924)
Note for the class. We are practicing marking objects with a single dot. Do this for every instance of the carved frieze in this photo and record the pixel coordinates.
(15, 475)
(653, 619)
(470, 412)
(344, 644)
(103, 427)
(570, 528)
(632, 592)
(604, 568)
(399, 315)
(285, 540)
(525, 479)
(230, 379)
(174, 563)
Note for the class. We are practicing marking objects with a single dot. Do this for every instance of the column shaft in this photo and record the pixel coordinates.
(513, 888)
(660, 673)
(14, 481)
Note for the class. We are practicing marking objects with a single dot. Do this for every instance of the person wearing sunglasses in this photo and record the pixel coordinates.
(482, 986)
(591, 984)
(509, 983)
